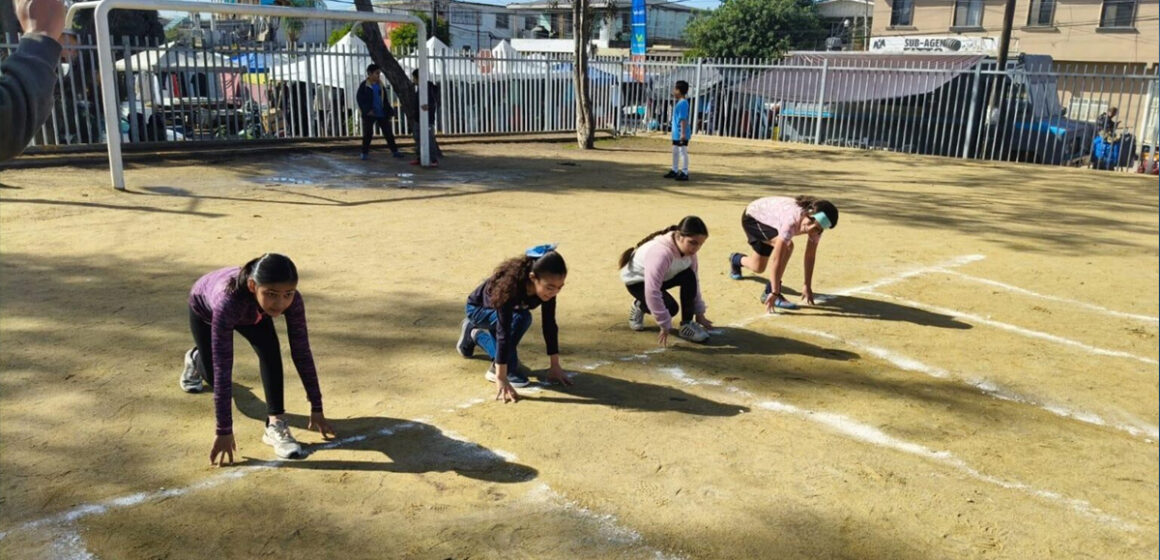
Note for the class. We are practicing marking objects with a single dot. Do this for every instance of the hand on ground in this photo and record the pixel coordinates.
(224, 446)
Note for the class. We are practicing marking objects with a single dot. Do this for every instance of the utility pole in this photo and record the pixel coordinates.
(1001, 63)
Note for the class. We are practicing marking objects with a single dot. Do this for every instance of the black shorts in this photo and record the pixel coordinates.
(680, 142)
(758, 234)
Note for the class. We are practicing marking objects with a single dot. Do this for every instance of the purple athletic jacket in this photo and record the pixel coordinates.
(211, 300)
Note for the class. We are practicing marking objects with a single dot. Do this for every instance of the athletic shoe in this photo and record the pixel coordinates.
(190, 380)
(693, 332)
(671, 175)
(781, 303)
(278, 436)
(415, 162)
(636, 316)
(514, 378)
(398, 154)
(735, 269)
(682, 176)
(434, 163)
(362, 156)
(466, 344)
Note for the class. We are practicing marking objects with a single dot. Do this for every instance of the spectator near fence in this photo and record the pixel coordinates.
(27, 78)
(375, 111)
(432, 107)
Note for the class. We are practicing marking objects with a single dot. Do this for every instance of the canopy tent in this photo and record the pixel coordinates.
(342, 65)
(847, 81)
(595, 75)
(662, 84)
(170, 57)
(258, 62)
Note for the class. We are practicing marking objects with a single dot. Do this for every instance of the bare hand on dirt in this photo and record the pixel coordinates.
(506, 393)
(663, 337)
(41, 16)
(770, 303)
(558, 375)
(224, 446)
(808, 296)
(318, 422)
(703, 320)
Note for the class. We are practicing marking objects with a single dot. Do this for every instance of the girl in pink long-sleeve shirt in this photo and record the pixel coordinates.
(770, 224)
(661, 261)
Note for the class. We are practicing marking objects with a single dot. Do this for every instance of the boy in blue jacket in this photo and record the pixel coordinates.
(375, 110)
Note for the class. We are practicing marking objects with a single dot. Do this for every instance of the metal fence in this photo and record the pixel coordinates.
(959, 106)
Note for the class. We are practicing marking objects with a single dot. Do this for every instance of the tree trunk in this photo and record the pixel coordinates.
(394, 73)
(581, 30)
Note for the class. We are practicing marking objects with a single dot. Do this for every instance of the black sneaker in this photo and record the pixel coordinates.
(734, 269)
(671, 175)
(682, 176)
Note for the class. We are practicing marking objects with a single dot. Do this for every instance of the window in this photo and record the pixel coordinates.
(1118, 14)
(968, 13)
(465, 17)
(1042, 13)
(501, 21)
(902, 13)
(530, 23)
(625, 22)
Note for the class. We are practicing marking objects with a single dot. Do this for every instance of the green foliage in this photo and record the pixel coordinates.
(405, 37)
(338, 34)
(755, 29)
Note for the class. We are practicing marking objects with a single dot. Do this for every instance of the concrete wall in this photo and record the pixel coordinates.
(1074, 37)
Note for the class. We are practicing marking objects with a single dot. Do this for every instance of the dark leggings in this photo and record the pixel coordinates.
(368, 130)
(687, 280)
(263, 339)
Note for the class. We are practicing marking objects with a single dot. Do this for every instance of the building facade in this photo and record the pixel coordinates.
(1125, 32)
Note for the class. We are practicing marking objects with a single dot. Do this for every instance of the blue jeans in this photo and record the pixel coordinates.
(488, 319)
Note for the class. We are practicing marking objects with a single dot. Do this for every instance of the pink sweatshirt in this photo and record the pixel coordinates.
(653, 263)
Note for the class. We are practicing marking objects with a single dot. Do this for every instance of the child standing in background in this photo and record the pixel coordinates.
(664, 260)
(682, 130)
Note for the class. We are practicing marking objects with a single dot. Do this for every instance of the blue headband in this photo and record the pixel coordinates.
(823, 220)
(540, 250)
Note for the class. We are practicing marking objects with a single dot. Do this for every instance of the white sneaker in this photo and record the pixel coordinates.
(636, 316)
(516, 379)
(693, 332)
(278, 436)
(190, 380)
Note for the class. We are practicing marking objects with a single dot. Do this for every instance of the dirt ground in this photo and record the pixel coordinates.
(983, 382)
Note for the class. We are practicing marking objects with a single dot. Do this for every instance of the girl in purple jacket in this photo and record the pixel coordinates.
(664, 260)
(247, 300)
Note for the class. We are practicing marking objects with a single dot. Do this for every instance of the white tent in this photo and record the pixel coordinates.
(342, 66)
(170, 57)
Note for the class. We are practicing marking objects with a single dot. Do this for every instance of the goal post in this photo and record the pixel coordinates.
(102, 8)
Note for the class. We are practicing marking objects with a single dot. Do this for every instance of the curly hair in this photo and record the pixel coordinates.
(511, 276)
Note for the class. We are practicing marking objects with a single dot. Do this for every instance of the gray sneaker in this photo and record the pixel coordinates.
(278, 435)
(636, 316)
(466, 344)
(693, 332)
(190, 380)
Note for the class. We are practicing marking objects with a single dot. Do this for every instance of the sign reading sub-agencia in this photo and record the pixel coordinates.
(952, 44)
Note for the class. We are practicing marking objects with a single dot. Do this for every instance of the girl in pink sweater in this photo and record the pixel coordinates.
(661, 261)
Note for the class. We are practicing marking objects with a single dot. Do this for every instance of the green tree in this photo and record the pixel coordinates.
(338, 34)
(404, 38)
(755, 29)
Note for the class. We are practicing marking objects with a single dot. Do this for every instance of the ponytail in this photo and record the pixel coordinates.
(270, 268)
(811, 206)
(689, 225)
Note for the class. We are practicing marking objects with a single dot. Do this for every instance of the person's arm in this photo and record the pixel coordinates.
(27, 79)
(304, 362)
(781, 248)
(222, 347)
(656, 262)
(552, 342)
(503, 329)
(808, 262)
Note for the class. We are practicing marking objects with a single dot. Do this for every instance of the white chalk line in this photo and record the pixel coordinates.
(1017, 329)
(894, 279)
(1151, 433)
(874, 436)
(607, 525)
(68, 543)
(1026, 292)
